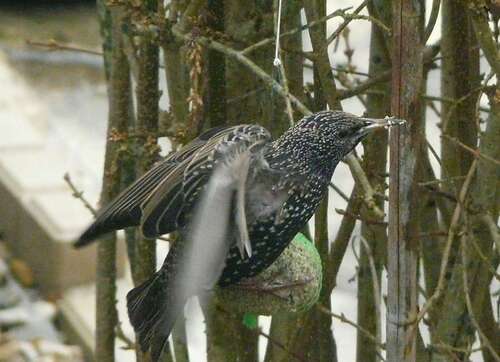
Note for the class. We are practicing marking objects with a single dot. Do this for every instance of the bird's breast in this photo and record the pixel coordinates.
(263, 201)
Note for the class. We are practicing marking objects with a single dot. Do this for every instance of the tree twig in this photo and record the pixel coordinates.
(339, 191)
(79, 194)
(280, 346)
(441, 284)
(341, 241)
(359, 217)
(441, 99)
(432, 19)
(342, 26)
(343, 319)
(493, 229)
(475, 152)
(484, 340)
(242, 59)
(269, 338)
(288, 104)
(53, 45)
(453, 348)
(354, 165)
(360, 177)
(120, 334)
(264, 42)
(434, 152)
(376, 286)
(484, 35)
(363, 86)
(484, 258)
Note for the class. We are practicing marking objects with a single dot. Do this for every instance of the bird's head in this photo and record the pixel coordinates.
(334, 134)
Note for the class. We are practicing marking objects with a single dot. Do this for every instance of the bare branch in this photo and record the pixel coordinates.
(376, 286)
(441, 284)
(432, 19)
(484, 258)
(339, 191)
(361, 218)
(343, 319)
(360, 177)
(484, 35)
(484, 340)
(354, 165)
(475, 152)
(53, 45)
(362, 87)
(129, 344)
(493, 228)
(264, 42)
(79, 194)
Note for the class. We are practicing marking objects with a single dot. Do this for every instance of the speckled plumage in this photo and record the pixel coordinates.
(285, 183)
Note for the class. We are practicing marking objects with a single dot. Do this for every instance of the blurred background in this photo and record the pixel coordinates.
(53, 122)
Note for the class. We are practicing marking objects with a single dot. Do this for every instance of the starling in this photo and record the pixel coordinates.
(237, 197)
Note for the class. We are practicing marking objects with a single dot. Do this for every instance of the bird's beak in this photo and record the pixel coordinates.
(373, 124)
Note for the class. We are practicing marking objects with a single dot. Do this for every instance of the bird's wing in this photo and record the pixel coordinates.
(229, 159)
(221, 205)
(125, 210)
(214, 184)
(178, 193)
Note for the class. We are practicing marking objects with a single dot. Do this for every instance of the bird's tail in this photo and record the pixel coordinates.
(153, 309)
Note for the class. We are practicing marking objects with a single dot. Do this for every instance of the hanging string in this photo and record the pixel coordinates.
(276, 72)
(277, 61)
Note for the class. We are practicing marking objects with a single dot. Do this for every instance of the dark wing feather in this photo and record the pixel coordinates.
(125, 209)
(219, 205)
(210, 181)
(179, 192)
(161, 209)
(219, 149)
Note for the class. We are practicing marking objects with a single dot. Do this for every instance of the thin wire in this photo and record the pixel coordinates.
(277, 61)
(277, 67)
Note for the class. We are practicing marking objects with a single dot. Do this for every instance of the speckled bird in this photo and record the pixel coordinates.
(237, 197)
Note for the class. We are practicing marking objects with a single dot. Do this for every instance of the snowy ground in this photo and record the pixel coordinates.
(27, 324)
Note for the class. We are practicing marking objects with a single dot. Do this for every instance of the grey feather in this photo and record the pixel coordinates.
(207, 242)
(241, 172)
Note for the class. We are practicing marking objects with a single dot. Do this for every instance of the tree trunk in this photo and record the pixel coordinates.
(406, 143)
(459, 80)
(375, 160)
(119, 96)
